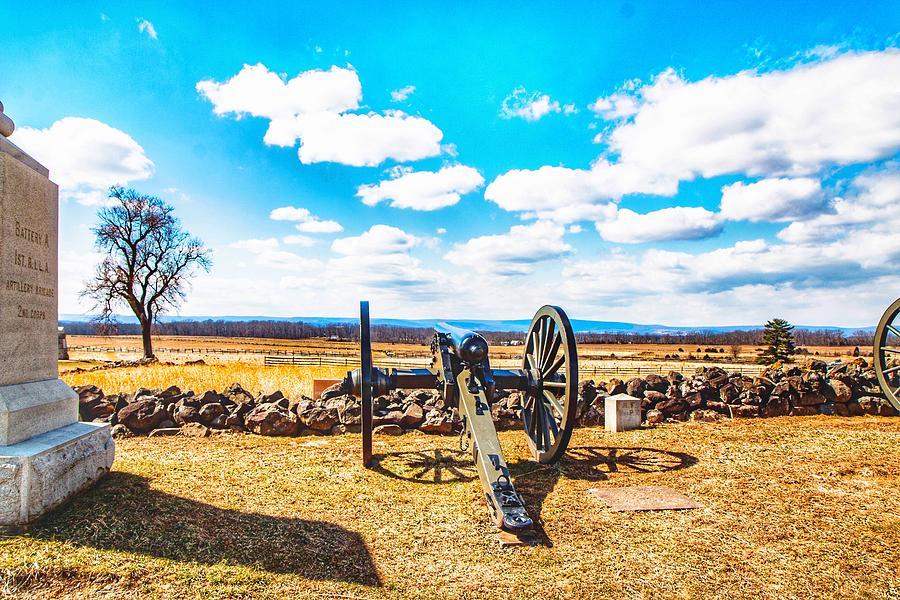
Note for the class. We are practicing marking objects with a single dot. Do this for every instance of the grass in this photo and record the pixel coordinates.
(793, 508)
(292, 381)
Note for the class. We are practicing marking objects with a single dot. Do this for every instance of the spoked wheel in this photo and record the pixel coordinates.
(548, 410)
(887, 354)
(365, 381)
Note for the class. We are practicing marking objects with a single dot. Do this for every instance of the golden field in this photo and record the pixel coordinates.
(791, 508)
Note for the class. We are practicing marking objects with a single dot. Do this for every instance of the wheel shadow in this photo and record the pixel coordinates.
(123, 513)
(534, 482)
(434, 467)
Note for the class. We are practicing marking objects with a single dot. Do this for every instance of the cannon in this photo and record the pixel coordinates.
(461, 371)
(887, 354)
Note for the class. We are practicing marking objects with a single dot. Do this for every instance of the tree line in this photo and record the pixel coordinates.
(300, 330)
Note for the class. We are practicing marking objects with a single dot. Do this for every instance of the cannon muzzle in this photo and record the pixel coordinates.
(470, 347)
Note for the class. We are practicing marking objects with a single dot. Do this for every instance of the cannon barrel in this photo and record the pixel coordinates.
(468, 345)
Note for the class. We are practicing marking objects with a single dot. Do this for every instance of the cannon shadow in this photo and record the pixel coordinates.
(124, 513)
(435, 466)
(589, 463)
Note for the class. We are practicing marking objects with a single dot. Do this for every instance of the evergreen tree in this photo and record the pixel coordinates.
(778, 338)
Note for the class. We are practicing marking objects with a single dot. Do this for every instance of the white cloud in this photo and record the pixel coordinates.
(378, 240)
(303, 241)
(873, 208)
(259, 92)
(144, 26)
(424, 190)
(793, 122)
(364, 140)
(85, 157)
(319, 226)
(530, 106)
(268, 253)
(403, 93)
(306, 221)
(778, 199)
(313, 108)
(441, 230)
(675, 223)
(512, 253)
(554, 188)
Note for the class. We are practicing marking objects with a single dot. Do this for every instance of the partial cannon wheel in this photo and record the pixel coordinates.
(549, 411)
(887, 354)
(365, 381)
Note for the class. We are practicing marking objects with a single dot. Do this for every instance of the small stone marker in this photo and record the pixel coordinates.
(643, 497)
(46, 455)
(622, 412)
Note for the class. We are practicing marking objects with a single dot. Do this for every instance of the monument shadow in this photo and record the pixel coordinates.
(124, 513)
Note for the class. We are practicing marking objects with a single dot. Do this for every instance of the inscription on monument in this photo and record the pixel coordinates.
(28, 277)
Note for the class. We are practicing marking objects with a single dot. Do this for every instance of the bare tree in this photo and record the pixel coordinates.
(149, 259)
(735, 350)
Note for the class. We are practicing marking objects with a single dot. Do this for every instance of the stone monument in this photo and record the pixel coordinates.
(46, 455)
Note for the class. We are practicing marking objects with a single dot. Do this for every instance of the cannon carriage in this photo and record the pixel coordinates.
(461, 371)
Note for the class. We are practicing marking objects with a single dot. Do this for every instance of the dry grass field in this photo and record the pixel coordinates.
(241, 360)
(792, 508)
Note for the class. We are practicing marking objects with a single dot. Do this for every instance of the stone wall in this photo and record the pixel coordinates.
(709, 394)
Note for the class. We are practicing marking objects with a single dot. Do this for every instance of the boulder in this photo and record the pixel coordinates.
(209, 412)
(655, 416)
(164, 431)
(195, 430)
(587, 390)
(656, 383)
(706, 416)
(412, 416)
(869, 405)
(437, 423)
(393, 417)
(776, 407)
(636, 387)
(803, 411)
(333, 391)
(142, 415)
(273, 419)
(235, 421)
(389, 429)
(120, 431)
(746, 411)
(186, 414)
(316, 417)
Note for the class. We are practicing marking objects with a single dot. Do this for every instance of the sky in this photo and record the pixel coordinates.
(670, 162)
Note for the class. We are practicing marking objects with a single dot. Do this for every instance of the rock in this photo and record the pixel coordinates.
(218, 422)
(318, 418)
(746, 411)
(412, 416)
(671, 407)
(333, 391)
(394, 417)
(719, 407)
(142, 415)
(186, 414)
(120, 431)
(655, 416)
(656, 383)
(273, 419)
(615, 386)
(238, 394)
(389, 429)
(590, 418)
(351, 414)
(869, 405)
(842, 392)
(194, 430)
(437, 423)
(164, 431)
(636, 387)
(652, 398)
(587, 390)
(803, 411)
(776, 407)
(235, 421)
(338, 429)
(886, 409)
(810, 398)
(209, 412)
(274, 398)
(706, 416)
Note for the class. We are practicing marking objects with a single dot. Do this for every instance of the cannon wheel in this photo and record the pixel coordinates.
(887, 354)
(365, 375)
(549, 412)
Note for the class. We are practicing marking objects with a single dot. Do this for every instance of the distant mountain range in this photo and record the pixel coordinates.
(518, 325)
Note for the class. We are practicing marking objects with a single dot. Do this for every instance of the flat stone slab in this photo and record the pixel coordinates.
(643, 497)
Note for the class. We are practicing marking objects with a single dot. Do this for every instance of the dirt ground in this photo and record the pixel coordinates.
(792, 508)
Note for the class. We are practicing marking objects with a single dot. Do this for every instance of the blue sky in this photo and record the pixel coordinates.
(649, 162)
